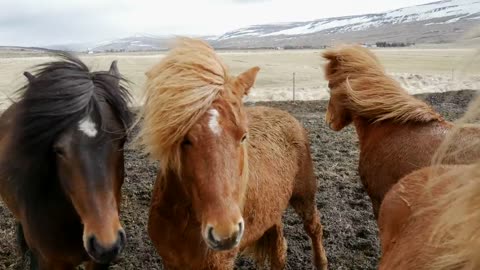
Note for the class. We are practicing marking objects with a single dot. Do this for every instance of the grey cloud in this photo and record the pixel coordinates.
(31, 23)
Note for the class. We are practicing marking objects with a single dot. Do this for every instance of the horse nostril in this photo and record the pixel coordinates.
(211, 237)
(92, 246)
(122, 239)
(241, 227)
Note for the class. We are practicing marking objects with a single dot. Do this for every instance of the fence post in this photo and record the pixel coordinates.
(293, 87)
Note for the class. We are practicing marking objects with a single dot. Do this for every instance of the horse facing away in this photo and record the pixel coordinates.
(397, 132)
(61, 164)
(227, 173)
(430, 218)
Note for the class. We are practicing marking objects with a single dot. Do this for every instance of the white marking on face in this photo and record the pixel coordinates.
(87, 126)
(213, 123)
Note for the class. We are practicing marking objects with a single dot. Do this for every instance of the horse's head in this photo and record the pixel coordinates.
(349, 66)
(214, 154)
(338, 115)
(88, 155)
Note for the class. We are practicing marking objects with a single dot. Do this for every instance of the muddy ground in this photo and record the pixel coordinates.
(350, 232)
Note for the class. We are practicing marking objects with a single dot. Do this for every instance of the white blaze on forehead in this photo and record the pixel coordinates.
(87, 126)
(213, 122)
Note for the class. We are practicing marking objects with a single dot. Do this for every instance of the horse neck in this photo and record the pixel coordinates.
(362, 127)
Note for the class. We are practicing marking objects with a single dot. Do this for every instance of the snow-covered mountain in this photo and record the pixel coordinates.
(138, 42)
(441, 21)
(441, 12)
(437, 22)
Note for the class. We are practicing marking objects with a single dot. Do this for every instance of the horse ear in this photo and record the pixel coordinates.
(29, 76)
(333, 59)
(148, 74)
(247, 79)
(114, 69)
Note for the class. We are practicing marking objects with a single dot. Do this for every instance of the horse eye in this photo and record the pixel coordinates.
(59, 151)
(244, 138)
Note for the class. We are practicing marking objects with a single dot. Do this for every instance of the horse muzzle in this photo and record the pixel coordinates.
(105, 254)
(219, 243)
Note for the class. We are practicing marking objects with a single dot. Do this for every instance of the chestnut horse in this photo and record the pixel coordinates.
(397, 132)
(227, 173)
(61, 164)
(430, 219)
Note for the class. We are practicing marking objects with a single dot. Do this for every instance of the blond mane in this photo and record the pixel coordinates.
(356, 74)
(457, 229)
(179, 90)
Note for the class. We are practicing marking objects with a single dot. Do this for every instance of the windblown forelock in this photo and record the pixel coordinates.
(180, 90)
(356, 74)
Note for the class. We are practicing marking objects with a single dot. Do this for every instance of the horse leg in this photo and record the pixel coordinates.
(272, 247)
(22, 243)
(308, 212)
(376, 207)
(303, 202)
(278, 247)
(34, 265)
(25, 253)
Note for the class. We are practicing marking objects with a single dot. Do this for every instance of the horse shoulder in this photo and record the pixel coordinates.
(172, 228)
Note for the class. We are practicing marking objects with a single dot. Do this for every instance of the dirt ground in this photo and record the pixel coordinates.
(350, 232)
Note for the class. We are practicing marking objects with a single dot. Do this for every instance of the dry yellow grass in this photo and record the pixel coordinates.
(275, 78)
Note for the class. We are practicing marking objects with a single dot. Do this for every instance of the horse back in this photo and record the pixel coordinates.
(278, 144)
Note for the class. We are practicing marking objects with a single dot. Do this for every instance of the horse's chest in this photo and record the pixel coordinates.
(56, 240)
(182, 247)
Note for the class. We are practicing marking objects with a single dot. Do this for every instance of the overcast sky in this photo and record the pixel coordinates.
(47, 22)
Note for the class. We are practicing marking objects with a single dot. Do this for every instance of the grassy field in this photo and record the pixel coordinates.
(422, 68)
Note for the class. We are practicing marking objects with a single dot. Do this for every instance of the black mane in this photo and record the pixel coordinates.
(59, 95)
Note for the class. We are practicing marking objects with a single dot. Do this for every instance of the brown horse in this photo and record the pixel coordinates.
(227, 173)
(61, 164)
(430, 219)
(408, 216)
(397, 132)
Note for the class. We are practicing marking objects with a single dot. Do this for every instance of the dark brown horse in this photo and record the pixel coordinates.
(61, 164)
(397, 132)
(227, 173)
